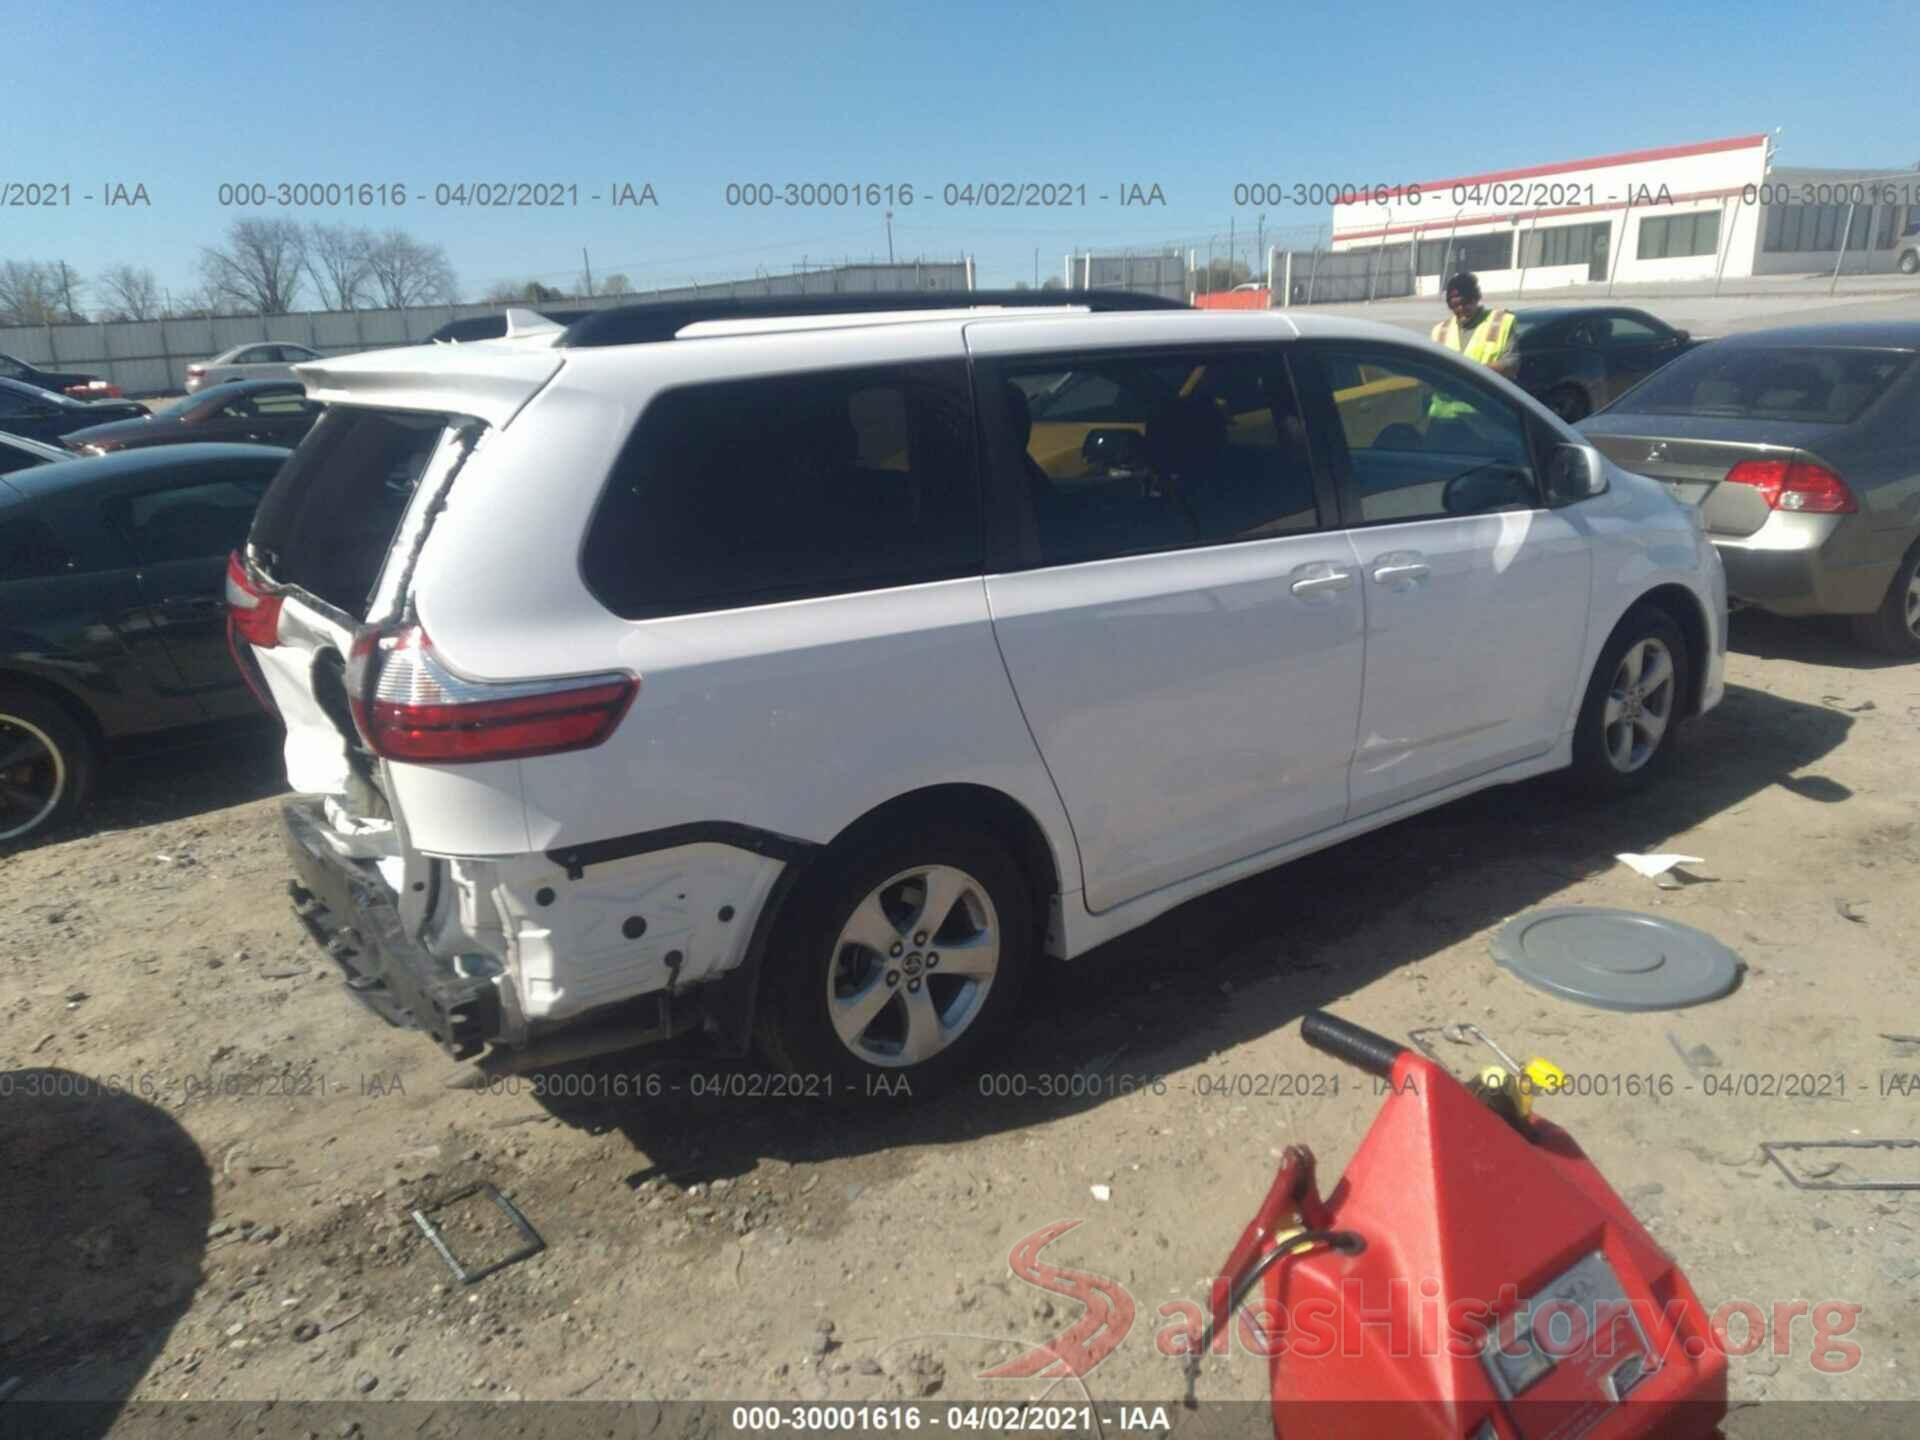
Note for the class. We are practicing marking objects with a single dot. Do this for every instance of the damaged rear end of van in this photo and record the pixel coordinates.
(412, 861)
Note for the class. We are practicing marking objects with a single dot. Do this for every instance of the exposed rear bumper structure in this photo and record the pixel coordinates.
(347, 907)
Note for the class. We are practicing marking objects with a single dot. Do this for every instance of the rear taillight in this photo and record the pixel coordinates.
(253, 613)
(409, 705)
(196, 370)
(1797, 485)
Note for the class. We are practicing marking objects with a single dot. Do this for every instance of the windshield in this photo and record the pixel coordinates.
(1822, 384)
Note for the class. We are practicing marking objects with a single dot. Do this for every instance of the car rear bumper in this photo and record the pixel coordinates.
(348, 908)
(1810, 565)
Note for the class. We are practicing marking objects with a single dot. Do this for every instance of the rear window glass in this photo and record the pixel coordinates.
(749, 492)
(328, 520)
(1824, 385)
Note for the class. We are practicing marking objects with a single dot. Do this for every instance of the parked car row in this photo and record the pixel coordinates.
(259, 360)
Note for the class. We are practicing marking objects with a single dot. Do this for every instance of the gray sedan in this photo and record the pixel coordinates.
(1801, 445)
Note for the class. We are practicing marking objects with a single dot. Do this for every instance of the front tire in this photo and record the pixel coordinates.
(1624, 739)
(1894, 629)
(1910, 262)
(899, 964)
(47, 767)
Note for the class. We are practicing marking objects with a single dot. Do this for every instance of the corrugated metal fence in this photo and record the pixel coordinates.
(150, 357)
(1162, 274)
(1321, 277)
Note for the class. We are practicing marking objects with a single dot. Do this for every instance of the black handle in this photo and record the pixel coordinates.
(1346, 1041)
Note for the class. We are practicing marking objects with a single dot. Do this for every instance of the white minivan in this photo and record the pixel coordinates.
(813, 672)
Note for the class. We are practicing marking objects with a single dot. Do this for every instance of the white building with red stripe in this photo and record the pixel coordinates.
(1717, 208)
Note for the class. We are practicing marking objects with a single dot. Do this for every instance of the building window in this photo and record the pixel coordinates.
(1807, 227)
(1563, 244)
(1466, 252)
(1671, 237)
(1886, 227)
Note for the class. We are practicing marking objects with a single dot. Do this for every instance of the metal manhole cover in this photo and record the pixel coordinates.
(1616, 959)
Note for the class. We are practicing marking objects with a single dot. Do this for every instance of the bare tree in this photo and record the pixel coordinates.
(405, 272)
(259, 268)
(339, 263)
(616, 284)
(39, 292)
(131, 293)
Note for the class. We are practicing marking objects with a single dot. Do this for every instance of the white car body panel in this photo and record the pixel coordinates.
(1473, 660)
(1155, 687)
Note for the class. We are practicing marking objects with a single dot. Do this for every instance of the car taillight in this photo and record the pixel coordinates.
(409, 705)
(1797, 485)
(252, 613)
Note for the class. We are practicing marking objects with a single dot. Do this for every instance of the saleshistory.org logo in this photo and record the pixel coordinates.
(1312, 1331)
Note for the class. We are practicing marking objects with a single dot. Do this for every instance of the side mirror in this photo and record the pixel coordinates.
(1489, 488)
(1575, 473)
(1117, 451)
(1683, 335)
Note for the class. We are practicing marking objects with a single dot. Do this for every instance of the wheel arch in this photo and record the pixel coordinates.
(993, 809)
(1684, 608)
(734, 998)
(71, 705)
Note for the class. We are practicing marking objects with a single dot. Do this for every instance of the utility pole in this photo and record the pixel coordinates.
(1261, 248)
(889, 237)
(1036, 267)
(1230, 247)
(589, 264)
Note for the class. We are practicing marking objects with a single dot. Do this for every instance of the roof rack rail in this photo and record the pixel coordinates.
(640, 324)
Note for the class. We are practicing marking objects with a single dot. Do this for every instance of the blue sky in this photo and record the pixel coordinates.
(1192, 97)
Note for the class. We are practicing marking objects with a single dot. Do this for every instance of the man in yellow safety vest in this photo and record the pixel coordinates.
(1477, 332)
(1474, 330)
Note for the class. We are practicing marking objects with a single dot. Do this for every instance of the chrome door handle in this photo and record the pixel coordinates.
(1403, 570)
(1316, 584)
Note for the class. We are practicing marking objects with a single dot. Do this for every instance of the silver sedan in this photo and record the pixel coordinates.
(1801, 445)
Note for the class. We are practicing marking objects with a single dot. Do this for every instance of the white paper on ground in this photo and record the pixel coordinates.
(1654, 866)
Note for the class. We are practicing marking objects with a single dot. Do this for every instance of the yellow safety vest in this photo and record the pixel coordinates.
(1488, 341)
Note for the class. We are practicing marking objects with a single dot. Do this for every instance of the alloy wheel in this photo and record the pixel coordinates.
(912, 966)
(1639, 705)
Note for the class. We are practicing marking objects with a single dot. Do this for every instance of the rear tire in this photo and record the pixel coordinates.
(1894, 629)
(1624, 739)
(47, 766)
(864, 986)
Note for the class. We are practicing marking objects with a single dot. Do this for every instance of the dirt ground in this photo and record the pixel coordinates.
(211, 1151)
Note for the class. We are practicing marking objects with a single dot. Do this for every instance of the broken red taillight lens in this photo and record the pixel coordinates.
(409, 705)
(1797, 485)
(253, 613)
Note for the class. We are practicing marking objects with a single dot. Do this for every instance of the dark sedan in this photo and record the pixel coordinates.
(258, 412)
(60, 382)
(43, 415)
(1801, 445)
(113, 621)
(1579, 360)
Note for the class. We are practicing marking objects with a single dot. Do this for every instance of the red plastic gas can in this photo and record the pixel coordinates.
(1503, 1289)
